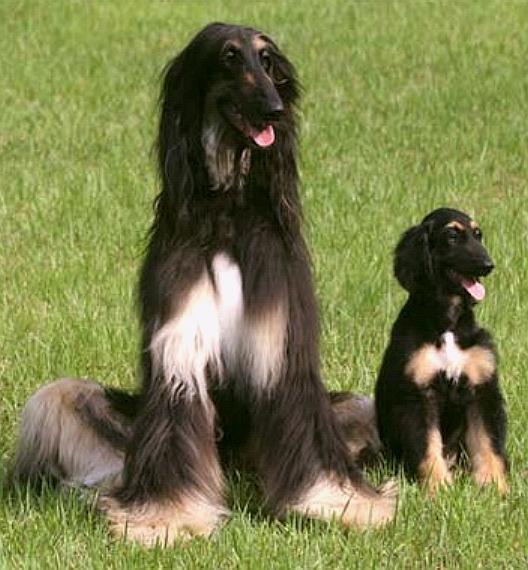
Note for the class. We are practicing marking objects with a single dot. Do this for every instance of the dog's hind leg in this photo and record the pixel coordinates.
(70, 432)
(356, 416)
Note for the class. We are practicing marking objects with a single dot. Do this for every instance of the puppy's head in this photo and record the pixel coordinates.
(443, 254)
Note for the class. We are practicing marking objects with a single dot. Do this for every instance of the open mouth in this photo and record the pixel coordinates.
(471, 284)
(263, 138)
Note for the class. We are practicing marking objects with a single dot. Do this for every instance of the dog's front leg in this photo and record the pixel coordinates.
(304, 462)
(172, 486)
(485, 437)
(420, 439)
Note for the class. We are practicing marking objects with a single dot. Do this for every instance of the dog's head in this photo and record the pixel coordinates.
(443, 254)
(234, 75)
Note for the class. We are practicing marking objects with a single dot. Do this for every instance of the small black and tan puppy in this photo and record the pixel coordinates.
(438, 390)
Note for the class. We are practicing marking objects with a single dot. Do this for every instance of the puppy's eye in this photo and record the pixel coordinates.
(231, 55)
(452, 236)
(265, 60)
(478, 234)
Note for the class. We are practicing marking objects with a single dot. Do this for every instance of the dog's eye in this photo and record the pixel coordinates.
(478, 234)
(265, 60)
(452, 236)
(231, 55)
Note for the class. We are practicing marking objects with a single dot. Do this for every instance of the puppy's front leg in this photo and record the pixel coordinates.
(485, 437)
(433, 470)
(422, 445)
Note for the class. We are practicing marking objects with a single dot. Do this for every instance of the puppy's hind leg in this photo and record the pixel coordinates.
(70, 433)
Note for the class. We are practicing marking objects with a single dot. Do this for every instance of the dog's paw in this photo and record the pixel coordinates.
(492, 474)
(361, 506)
(162, 523)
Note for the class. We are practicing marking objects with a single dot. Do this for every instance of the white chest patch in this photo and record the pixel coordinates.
(431, 360)
(230, 303)
(252, 348)
(477, 363)
(451, 358)
(210, 331)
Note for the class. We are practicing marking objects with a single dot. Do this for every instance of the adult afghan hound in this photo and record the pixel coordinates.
(230, 353)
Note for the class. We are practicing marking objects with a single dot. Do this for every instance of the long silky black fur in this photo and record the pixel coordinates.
(447, 240)
(291, 428)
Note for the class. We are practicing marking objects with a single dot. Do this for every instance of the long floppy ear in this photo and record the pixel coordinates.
(284, 76)
(412, 258)
(181, 108)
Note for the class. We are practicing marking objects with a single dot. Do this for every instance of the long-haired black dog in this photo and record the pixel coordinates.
(229, 319)
(438, 387)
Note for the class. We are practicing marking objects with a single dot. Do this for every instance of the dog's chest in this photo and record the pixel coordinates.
(450, 358)
(250, 345)
(229, 300)
(447, 360)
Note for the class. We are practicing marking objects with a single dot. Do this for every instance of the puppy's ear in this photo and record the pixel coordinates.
(412, 258)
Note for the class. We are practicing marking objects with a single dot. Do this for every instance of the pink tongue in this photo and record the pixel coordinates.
(264, 138)
(474, 288)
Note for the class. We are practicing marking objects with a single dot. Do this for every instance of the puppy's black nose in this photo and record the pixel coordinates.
(487, 267)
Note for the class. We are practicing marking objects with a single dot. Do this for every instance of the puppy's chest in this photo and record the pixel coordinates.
(448, 358)
(447, 361)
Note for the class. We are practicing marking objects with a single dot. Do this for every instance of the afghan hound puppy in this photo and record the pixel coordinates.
(438, 387)
(229, 319)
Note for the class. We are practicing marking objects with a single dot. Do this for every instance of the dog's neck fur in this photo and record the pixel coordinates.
(227, 164)
(440, 312)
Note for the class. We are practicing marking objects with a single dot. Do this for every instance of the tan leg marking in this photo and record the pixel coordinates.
(433, 471)
(164, 523)
(479, 365)
(487, 466)
(424, 365)
(328, 499)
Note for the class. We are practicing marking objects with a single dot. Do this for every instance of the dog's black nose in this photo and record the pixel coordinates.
(487, 267)
(274, 110)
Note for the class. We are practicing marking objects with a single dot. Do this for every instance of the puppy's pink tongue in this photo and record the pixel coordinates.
(474, 288)
(264, 138)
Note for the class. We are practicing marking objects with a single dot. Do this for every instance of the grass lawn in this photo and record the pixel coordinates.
(408, 106)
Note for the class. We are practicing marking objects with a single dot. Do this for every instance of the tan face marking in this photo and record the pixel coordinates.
(433, 470)
(473, 225)
(259, 43)
(249, 78)
(456, 225)
(487, 466)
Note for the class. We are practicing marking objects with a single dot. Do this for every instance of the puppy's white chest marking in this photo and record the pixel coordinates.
(451, 357)
(431, 360)
(477, 363)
